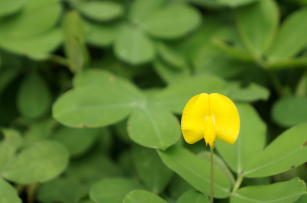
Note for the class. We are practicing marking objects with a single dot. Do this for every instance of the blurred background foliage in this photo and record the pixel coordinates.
(91, 93)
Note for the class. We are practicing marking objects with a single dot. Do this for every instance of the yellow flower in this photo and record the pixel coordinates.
(210, 116)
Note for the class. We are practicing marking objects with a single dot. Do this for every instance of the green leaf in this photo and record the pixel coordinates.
(63, 190)
(302, 199)
(218, 163)
(222, 3)
(141, 196)
(292, 37)
(287, 151)
(7, 75)
(91, 105)
(74, 43)
(151, 169)
(38, 163)
(7, 193)
(196, 171)
(153, 127)
(36, 47)
(112, 190)
(26, 24)
(101, 34)
(34, 97)
(133, 46)
(91, 168)
(172, 21)
(39, 131)
(140, 9)
(250, 93)
(9, 146)
(77, 141)
(100, 10)
(250, 143)
(102, 78)
(301, 86)
(257, 25)
(170, 74)
(171, 56)
(285, 192)
(175, 96)
(193, 196)
(290, 110)
(210, 59)
(9, 7)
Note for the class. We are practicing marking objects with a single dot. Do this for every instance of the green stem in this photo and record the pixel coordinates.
(31, 192)
(237, 183)
(212, 174)
(59, 59)
(276, 83)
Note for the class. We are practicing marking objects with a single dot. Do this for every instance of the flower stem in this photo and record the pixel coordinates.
(237, 183)
(212, 174)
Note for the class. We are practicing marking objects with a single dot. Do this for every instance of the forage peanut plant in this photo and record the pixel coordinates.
(161, 101)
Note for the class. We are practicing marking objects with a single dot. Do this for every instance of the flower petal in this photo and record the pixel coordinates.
(192, 120)
(227, 119)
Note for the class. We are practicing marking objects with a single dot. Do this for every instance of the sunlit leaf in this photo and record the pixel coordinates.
(196, 171)
(287, 151)
(287, 192)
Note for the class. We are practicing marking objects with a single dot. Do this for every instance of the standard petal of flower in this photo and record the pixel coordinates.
(192, 121)
(227, 119)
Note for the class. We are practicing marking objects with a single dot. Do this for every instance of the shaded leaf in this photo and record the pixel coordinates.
(150, 169)
(63, 190)
(77, 141)
(140, 196)
(38, 163)
(34, 97)
(193, 196)
(112, 190)
(290, 110)
(9, 7)
(292, 37)
(257, 25)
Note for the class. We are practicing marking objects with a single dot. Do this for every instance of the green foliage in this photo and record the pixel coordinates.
(138, 196)
(33, 97)
(196, 171)
(112, 189)
(92, 91)
(194, 196)
(287, 191)
(38, 163)
(8, 193)
(151, 169)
